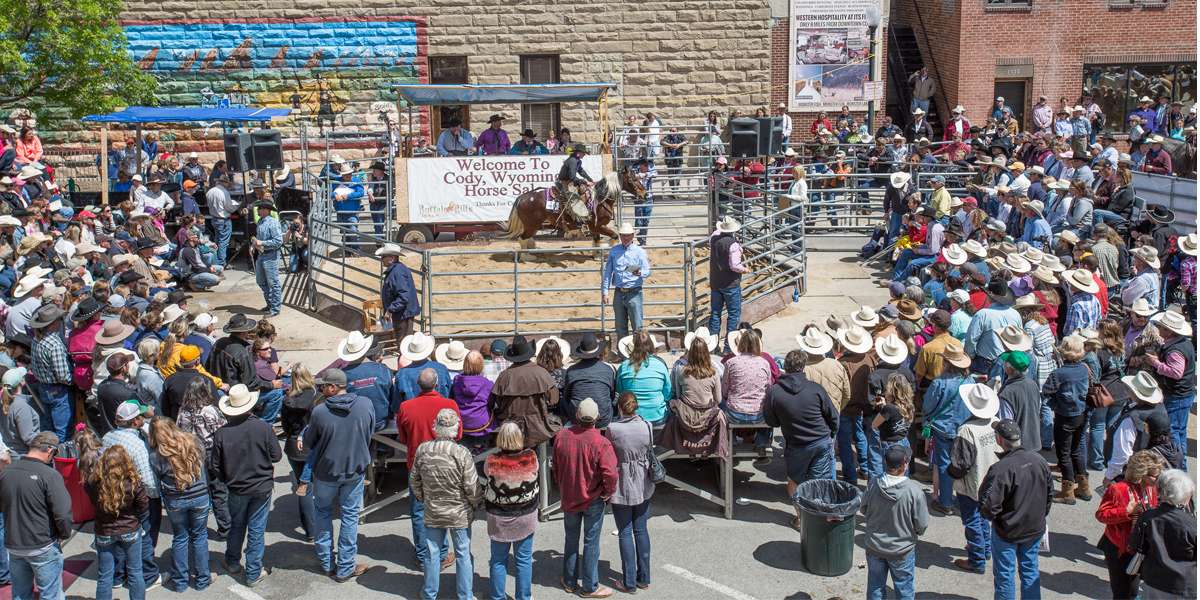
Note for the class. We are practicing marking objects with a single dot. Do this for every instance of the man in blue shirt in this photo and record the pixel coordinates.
(1037, 231)
(1148, 115)
(268, 239)
(528, 144)
(347, 202)
(114, 163)
(401, 302)
(364, 376)
(627, 266)
(455, 141)
(416, 348)
(982, 344)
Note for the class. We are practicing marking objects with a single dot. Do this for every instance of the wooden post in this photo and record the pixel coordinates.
(138, 152)
(104, 164)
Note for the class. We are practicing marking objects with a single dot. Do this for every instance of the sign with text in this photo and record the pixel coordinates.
(480, 189)
(873, 90)
(829, 43)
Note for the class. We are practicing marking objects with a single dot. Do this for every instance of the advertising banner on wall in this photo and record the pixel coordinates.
(827, 38)
(480, 189)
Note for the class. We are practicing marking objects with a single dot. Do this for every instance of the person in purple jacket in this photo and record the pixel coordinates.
(493, 140)
(470, 391)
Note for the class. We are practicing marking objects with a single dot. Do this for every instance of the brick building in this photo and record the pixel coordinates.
(1119, 50)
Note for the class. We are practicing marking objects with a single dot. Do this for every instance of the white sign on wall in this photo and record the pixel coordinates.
(479, 189)
(829, 43)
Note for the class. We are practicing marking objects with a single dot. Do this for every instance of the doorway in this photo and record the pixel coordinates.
(1014, 92)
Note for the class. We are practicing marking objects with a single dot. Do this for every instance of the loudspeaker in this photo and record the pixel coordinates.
(770, 136)
(743, 139)
(268, 150)
(237, 152)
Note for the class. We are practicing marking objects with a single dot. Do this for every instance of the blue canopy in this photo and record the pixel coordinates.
(143, 114)
(437, 95)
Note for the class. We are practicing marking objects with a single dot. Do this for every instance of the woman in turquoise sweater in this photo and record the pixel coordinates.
(647, 377)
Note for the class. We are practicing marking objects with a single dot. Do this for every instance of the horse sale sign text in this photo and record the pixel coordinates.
(480, 189)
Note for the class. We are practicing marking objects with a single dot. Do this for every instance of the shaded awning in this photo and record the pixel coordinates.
(438, 95)
(144, 114)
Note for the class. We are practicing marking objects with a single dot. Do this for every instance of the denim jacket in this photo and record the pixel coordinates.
(1066, 389)
(941, 391)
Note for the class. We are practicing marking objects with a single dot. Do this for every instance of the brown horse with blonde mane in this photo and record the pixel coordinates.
(529, 213)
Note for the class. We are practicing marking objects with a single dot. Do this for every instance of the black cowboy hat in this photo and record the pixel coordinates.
(176, 297)
(999, 291)
(1108, 136)
(20, 339)
(494, 118)
(129, 277)
(642, 161)
(171, 186)
(1160, 214)
(264, 204)
(454, 122)
(379, 165)
(239, 323)
(955, 229)
(579, 148)
(145, 242)
(87, 309)
(529, 133)
(520, 350)
(587, 346)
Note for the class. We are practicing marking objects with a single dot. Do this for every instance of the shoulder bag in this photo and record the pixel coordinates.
(658, 473)
(1097, 395)
(927, 431)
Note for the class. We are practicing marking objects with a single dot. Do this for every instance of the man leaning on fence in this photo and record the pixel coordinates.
(401, 302)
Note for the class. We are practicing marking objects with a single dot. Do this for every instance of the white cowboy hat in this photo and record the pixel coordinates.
(728, 225)
(417, 346)
(1052, 262)
(625, 344)
(899, 179)
(1145, 99)
(702, 332)
(974, 247)
(1013, 338)
(27, 285)
(1016, 264)
(980, 399)
(345, 170)
(954, 254)
(138, 213)
(389, 249)
(1190, 244)
(891, 349)
(37, 272)
(626, 228)
(959, 109)
(1148, 254)
(865, 317)
(1082, 280)
(1033, 255)
(28, 172)
(1144, 387)
(171, 313)
(355, 346)
(1174, 321)
(9, 221)
(918, 111)
(1142, 308)
(452, 355)
(855, 339)
(282, 172)
(814, 342)
(1044, 274)
(239, 401)
(193, 155)
(563, 347)
(789, 152)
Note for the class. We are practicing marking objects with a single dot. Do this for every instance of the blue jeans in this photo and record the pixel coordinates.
(350, 219)
(347, 495)
(464, 570)
(627, 310)
(5, 575)
(909, 263)
(498, 568)
(1179, 410)
(915, 104)
(902, 571)
(269, 404)
(57, 402)
(206, 280)
(634, 541)
(189, 526)
(266, 275)
(762, 435)
(224, 230)
(586, 567)
(308, 512)
(378, 214)
(850, 436)
(1100, 215)
(874, 450)
(895, 227)
(941, 458)
(416, 513)
(1101, 420)
(642, 211)
(814, 461)
(1047, 425)
(106, 552)
(1007, 560)
(298, 261)
(45, 570)
(978, 532)
(728, 299)
(249, 524)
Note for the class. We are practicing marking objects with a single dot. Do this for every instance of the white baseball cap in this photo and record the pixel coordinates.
(203, 320)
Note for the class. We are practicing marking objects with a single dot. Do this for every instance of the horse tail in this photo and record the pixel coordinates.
(515, 226)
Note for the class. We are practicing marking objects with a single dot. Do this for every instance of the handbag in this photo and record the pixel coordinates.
(1135, 564)
(658, 473)
(1097, 395)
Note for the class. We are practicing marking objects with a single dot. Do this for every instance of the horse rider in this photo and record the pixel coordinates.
(572, 173)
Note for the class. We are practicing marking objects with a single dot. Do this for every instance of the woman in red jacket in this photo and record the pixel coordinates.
(1122, 503)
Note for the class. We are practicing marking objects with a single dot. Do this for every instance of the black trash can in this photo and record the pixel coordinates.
(827, 520)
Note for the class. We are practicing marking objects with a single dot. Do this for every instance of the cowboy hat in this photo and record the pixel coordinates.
(999, 291)
(1033, 255)
(891, 349)
(579, 148)
(626, 228)
(1148, 255)
(855, 339)
(1044, 274)
(46, 316)
(255, 183)
(918, 111)
(1173, 321)
(1189, 245)
(1141, 307)
(1160, 214)
(239, 401)
(789, 152)
(980, 399)
(588, 346)
(625, 344)
(701, 333)
(959, 109)
(389, 249)
(954, 254)
(1028, 301)
(865, 317)
(1082, 280)
(1015, 263)
(28, 172)
(974, 247)
(495, 118)
(899, 179)
(1154, 139)
(909, 311)
(419, 346)
(27, 285)
(1052, 262)
(563, 347)
(346, 169)
(814, 342)
(355, 346)
(451, 354)
(1036, 206)
(239, 323)
(137, 214)
(87, 309)
(281, 173)
(1013, 338)
(114, 332)
(267, 204)
(1144, 387)
(529, 133)
(172, 313)
(728, 225)
(86, 248)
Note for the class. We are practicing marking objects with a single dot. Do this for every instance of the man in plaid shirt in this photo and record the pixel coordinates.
(131, 416)
(497, 363)
(1085, 308)
(52, 368)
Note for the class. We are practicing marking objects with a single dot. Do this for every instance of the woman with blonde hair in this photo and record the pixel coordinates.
(169, 355)
(298, 404)
(115, 489)
(1065, 391)
(177, 458)
(471, 390)
(896, 415)
(1123, 501)
(510, 500)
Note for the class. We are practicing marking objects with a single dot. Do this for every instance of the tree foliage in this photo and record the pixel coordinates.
(70, 55)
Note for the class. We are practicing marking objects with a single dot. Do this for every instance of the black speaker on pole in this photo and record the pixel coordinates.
(770, 136)
(237, 151)
(743, 139)
(267, 150)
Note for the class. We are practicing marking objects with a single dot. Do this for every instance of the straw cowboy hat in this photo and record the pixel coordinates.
(702, 333)
(172, 313)
(239, 401)
(1082, 280)
(626, 228)
(1028, 301)
(728, 225)
(389, 249)
(955, 355)
(1016, 264)
(1141, 307)
(114, 332)
(1052, 262)
(980, 399)
(1033, 255)
(974, 247)
(28, 172)
(1046, 275)
(1144, 387)
(1014, 338)
(899, 179)
(355, 346)
(563, 348)
(1174, 321)
(815, 342)
(891, 349)
(1189, 245)
(865, 317)
(1148, 254)
(417, 346)
(625, 344)
(346, 170)
(954, 254)
(855, 339)
(452, 355)
(27, 285)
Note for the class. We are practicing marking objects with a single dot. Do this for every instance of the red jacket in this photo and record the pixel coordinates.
(820, 124)
(756, 168)
(1114, 512)
(414, 421)
(1157, 162)
(584, 466)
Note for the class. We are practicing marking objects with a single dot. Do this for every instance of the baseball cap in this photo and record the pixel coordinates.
(130, 409)
(13, 376)
(895, 457)
(889, 312)
(1157, 423)
(587, 411)
(1007, 429)
(117, 361)
(1017, 360)
(203, 320)
(188, 354)
(334, 377)
(896, 288)
(960, 296)
(498, 347)
(44, 441)
(940, 318)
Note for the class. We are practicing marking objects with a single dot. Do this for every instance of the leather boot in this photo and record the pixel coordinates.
(1067, 494)
(1083, 489)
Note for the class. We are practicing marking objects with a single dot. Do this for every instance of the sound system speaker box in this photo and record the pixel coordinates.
(743, 139)
(237, 151)
(770, 136)
(267, 150)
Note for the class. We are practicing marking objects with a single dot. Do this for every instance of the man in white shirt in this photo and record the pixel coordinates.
(787, 125)
(154, 197)
(653, 134)
(221, 206)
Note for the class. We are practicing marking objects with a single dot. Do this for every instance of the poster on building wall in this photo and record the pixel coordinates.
(479, 189)
(829, 46)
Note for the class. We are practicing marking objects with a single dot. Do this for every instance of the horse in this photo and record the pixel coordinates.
(529, 212)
